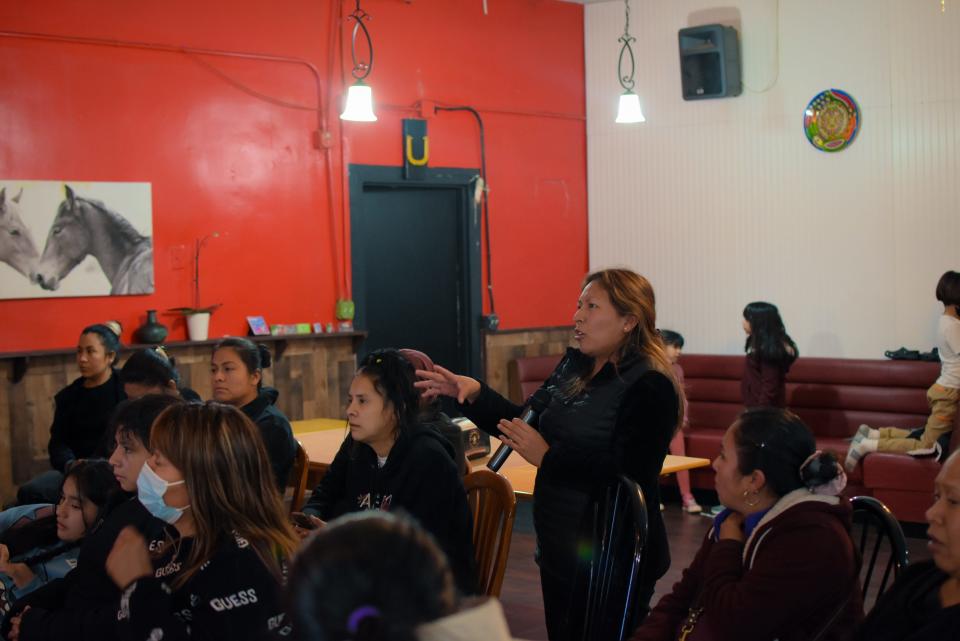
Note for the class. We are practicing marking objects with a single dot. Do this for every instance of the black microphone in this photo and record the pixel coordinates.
(535, 406)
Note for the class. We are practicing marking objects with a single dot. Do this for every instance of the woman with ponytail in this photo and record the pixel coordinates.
(778, 562)
(390, 460)
(236, 375)
(613, 407)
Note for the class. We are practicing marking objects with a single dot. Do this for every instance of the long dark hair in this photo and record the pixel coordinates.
(776, 442)
(393, 376)
(96, 484)
(151, 367)
(369, 576)
(768, 339)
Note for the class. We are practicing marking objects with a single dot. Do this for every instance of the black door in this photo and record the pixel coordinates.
(411, 246)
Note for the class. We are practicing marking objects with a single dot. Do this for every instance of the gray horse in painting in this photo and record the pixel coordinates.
(86, 227)
(16, 243)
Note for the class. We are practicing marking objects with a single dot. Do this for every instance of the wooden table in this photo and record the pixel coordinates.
(322, 445)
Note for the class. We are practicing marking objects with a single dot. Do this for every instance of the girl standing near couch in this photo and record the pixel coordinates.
(770, 353)
(943, 395)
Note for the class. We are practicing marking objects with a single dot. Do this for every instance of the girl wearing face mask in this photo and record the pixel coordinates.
(208, 475)
(45, 548)
(84, 605)
(390, 460)
(82, 411)
(236, 375)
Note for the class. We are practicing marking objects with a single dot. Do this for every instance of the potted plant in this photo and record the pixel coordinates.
(198, 317)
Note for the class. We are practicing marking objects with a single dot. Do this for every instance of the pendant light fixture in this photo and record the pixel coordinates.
(629, 110)
(359, 104)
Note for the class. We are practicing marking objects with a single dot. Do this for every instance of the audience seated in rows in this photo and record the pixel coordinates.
(779, 562)
(208, 475)
(83, 605)
(377, 576)
(391, 460)
(40, 543)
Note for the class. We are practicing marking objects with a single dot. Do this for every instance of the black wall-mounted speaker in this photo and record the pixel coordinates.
(709, 62)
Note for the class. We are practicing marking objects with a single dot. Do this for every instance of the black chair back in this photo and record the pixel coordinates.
(618, 524)
(882, 545)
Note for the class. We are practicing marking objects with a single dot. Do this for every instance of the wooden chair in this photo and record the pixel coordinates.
(297, 481)
(615, 530)
(493, 506)
(879, 538)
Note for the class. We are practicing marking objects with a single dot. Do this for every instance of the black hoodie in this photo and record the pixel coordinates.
(419, 477)
(276, 431)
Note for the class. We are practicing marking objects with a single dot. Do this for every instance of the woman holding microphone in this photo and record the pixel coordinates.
(613, 408)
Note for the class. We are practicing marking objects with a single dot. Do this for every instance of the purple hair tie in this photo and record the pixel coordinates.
(358, 615)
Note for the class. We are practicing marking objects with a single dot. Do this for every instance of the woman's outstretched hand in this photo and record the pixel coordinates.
(443, 382)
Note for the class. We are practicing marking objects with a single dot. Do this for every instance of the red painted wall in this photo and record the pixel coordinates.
(222, 160)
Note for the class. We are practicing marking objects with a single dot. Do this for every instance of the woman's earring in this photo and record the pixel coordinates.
(751, 494)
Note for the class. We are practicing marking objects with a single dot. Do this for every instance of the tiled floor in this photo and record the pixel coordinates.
(521, 586)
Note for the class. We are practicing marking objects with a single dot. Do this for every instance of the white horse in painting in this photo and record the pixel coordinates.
(86, 227)
(16, 242)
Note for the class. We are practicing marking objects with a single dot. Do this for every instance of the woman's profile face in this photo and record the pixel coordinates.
(371, 417)
(599, 329)
(73, 512)
(944, 518)
(92, 358)
(729, 482)
(746, 327)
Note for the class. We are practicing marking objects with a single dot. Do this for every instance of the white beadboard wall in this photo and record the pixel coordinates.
(721, 202)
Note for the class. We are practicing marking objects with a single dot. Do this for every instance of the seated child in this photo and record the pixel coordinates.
(41, 542)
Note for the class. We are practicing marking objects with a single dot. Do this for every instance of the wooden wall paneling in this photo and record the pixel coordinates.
(312, 377)
(502, 347)
(6, 445)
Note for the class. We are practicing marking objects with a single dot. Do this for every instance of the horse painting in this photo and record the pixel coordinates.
(16, 242)
(85, 227)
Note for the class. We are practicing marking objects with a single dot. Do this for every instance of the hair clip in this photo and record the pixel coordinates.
(358, 615)
(162, 352)
(378, 361)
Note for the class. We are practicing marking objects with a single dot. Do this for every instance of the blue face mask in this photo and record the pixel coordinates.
(150, 491)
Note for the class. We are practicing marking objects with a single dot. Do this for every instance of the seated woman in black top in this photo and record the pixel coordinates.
(236, 375)
(83, 605)
(924, 602)
(209, 476)
(392, 461)
(152, 371)
(82, 411)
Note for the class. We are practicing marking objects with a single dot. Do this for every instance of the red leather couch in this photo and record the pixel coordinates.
(832, 395)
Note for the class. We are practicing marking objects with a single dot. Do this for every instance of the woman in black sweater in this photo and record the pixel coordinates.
(209, 476)
(390, 460)
(82, 411)
(236, 374)
(612, 408)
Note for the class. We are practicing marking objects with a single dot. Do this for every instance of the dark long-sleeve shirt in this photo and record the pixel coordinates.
(276, 432)
(420, 477)
(80, 420)
(764, 383)
(235, 595)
